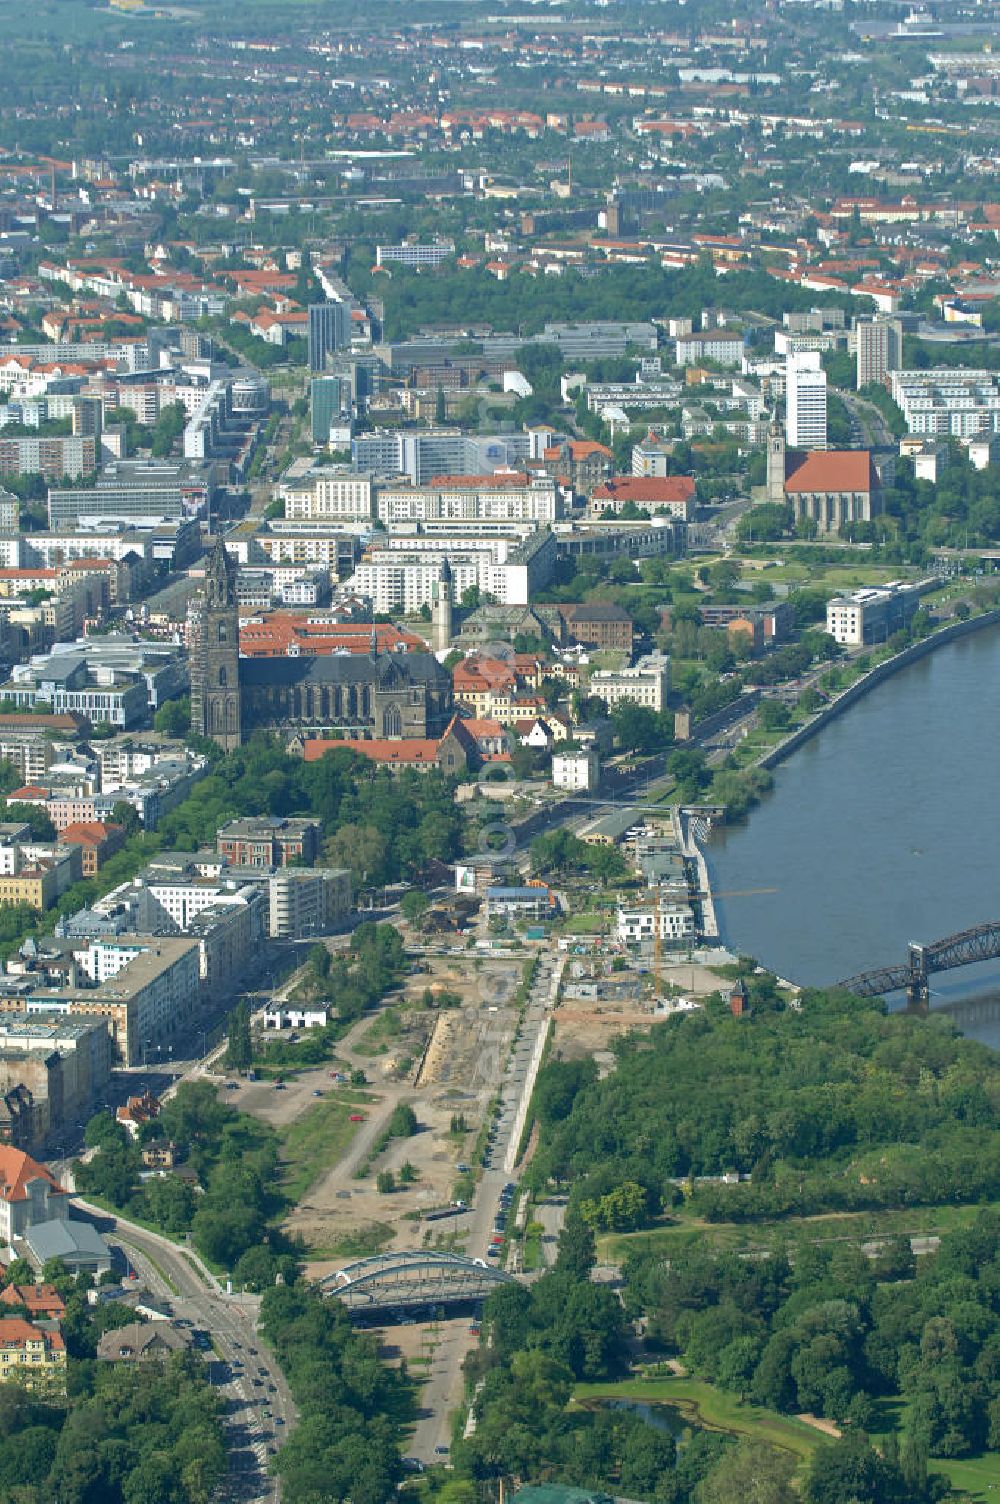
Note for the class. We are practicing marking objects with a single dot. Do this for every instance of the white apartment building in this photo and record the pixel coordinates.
(306, 901)
(879, 349)
(506, 496)
(637, 923)
(579, 772)
(321, 549)
(646, 682)
(348, 498)
(401, 573)
(715, 344)
(961, 403)
(805, 401)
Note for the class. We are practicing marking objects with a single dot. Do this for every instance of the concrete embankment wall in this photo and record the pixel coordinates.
(874, 677)
(688, 842)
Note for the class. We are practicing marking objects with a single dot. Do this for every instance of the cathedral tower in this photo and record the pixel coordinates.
(216, 709)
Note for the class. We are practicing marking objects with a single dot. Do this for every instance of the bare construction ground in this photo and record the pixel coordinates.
(598, 1005)
(443, 1062)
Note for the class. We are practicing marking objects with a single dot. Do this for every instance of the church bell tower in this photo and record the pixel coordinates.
(441, 615)
(216, 709)
(776, 464)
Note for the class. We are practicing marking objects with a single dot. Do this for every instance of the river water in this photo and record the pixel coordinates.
(885, 828)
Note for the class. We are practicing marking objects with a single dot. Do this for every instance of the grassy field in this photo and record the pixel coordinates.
(707, 1406)
(315, 1141)
(369, 1238)
(686, 1231)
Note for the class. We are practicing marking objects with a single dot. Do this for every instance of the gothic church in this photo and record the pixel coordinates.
(375, 695)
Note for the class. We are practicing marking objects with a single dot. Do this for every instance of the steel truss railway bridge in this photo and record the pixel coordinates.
(390, 1282)
(981, 943)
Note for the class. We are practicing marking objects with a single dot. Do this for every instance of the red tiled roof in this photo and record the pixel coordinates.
(652, 490)
(17, 1169)
(481, 482)
(86, 833)
(37, 1299)
(830, 470)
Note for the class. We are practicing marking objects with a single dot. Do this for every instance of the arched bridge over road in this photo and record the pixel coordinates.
(403, 1281)
(981, 943)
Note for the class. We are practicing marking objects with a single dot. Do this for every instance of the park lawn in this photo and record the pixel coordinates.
(315, 1141)
(685, 1231)
(712, 1408)
(979, 1477)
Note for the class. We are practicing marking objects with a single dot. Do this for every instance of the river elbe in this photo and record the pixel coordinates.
(885, 828)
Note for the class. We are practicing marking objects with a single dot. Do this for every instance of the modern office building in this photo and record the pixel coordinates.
(326, 404)
(329, 331)
(414, 254)
(805, 401)
(423, 454)
(133, 492)
(870, 616)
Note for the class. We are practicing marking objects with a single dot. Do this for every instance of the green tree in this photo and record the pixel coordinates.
(851, 1469)
(239, 1045)
(414, 906)
(752, 1473)
(577, 1253)
(174, 717)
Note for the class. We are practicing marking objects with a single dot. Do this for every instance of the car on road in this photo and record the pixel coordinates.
(440, 1451)
(317, 1093)
(278, 1421)
(279, 1085)
(356, 1117)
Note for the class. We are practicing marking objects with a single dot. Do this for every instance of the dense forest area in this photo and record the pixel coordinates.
(828, 1106)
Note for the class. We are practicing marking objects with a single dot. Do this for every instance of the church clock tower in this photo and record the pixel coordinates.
(215, 656)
